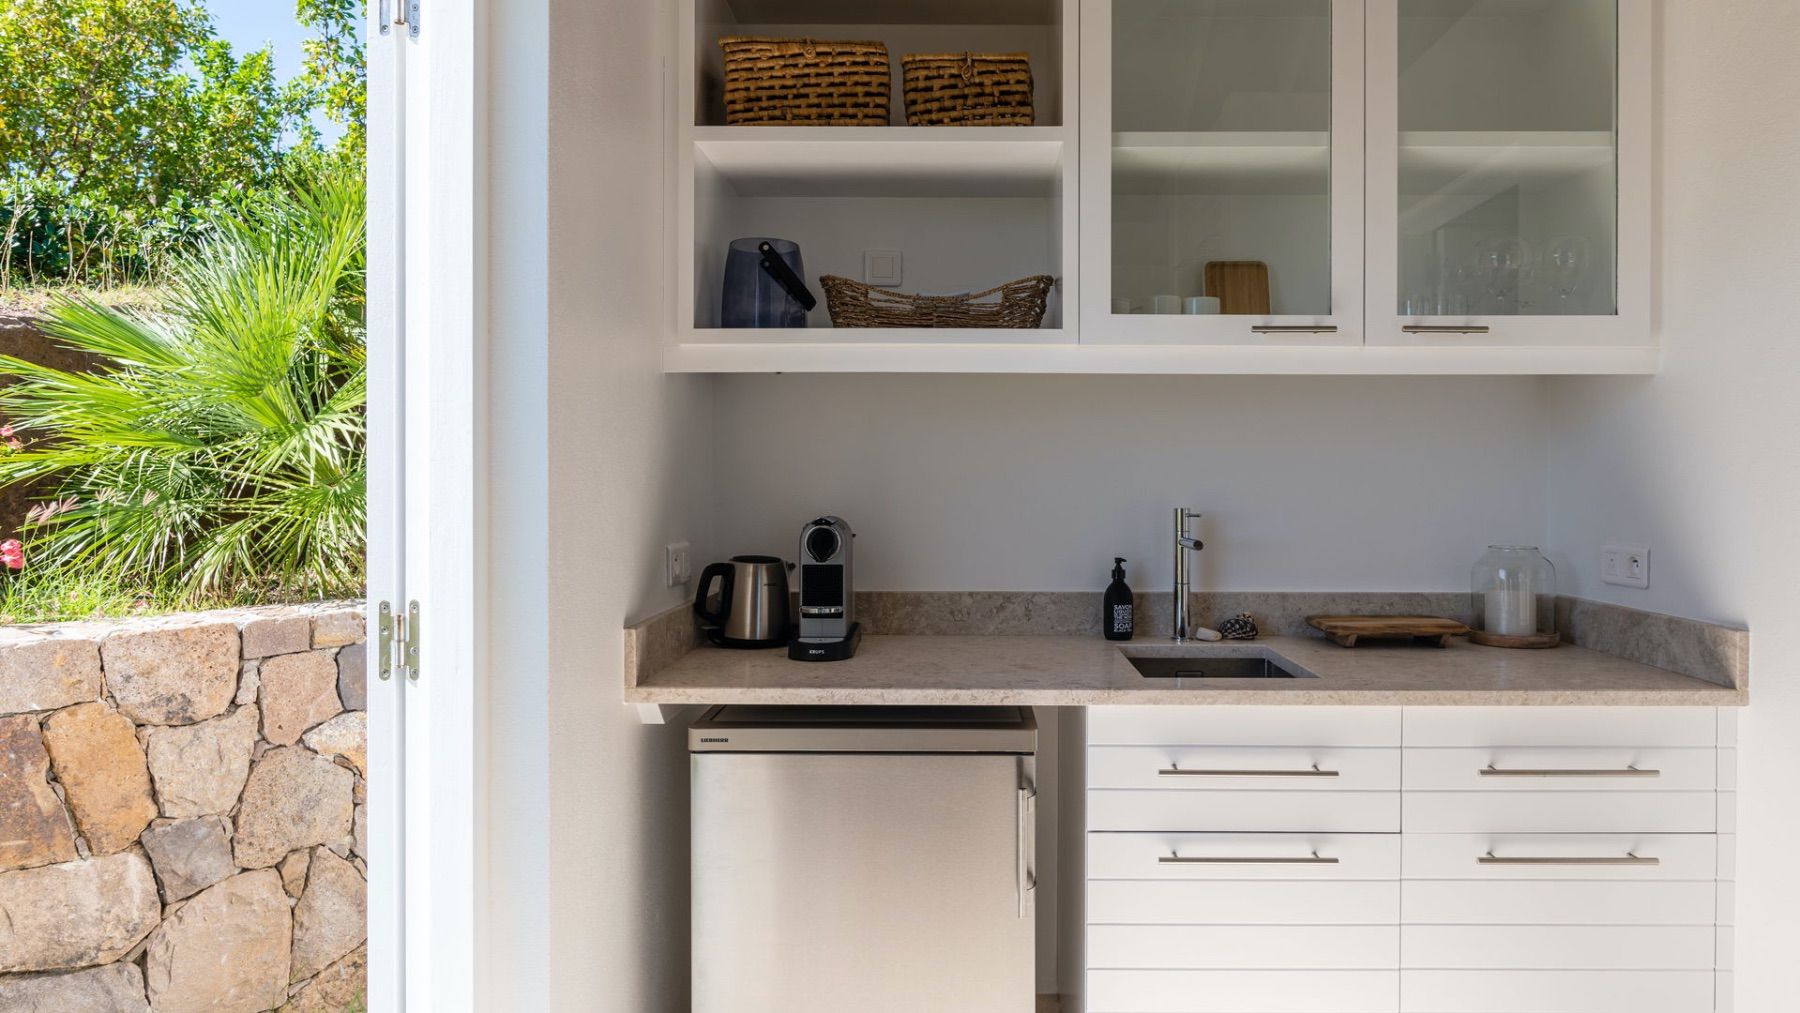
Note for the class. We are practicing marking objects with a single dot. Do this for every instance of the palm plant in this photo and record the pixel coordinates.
(221, 441)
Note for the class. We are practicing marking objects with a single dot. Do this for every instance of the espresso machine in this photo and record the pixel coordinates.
(828, 627)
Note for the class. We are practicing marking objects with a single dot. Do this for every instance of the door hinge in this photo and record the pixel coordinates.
(398, 634)
(408, 15)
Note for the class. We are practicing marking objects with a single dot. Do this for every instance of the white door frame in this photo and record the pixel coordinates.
(425, 540)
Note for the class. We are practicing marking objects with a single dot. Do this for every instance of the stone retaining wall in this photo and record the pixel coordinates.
(182, 824)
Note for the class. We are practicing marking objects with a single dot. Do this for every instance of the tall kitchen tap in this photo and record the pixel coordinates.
(1183, 542)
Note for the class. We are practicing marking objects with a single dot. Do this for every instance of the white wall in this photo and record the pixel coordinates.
(1035, 483)
(1700, 462)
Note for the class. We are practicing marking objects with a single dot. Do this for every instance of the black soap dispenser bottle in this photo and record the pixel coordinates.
(1116, 618)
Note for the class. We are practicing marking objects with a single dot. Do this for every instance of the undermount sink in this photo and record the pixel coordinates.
(1201, 667)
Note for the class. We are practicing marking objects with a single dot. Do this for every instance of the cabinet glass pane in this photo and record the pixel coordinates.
(1508, 157)
(1221, 155)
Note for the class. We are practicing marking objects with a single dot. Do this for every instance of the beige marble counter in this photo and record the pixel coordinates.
(1081, 671)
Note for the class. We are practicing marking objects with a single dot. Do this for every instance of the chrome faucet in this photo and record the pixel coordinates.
(1183, 542)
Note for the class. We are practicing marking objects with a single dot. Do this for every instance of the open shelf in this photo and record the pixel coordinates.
(896, 12)
(885, 161)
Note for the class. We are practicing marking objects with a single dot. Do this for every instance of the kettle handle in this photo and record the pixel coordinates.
(724, 572)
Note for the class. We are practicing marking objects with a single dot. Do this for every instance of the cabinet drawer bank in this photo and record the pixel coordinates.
(1419, 859)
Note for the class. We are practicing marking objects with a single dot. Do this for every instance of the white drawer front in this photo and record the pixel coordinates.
(1555, 902)
(1666, 727)
(1174, 991)
(1558, 947)
(1244, 768)
(1243, 856)
(1460, 856)
(1556, 991)
(1450, 812)
(1236, 947)
(1241, 902)
(1243, 726)
(1357, 812)
(1540, 768)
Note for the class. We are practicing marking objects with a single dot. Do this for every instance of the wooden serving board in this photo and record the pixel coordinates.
(1241, 286)
(1346, 630)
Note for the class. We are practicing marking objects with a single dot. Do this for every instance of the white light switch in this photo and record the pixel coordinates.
(679, 570)
(881, 267)
(1625, 565)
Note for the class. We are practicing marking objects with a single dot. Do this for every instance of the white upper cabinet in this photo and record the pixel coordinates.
(1509, 173)
(1222, 169)
(1217, 186)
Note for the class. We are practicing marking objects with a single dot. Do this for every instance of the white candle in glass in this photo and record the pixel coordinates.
(1511, 609)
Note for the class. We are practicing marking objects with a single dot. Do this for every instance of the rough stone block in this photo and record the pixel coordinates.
(189, 855)
(353, 677)
(224, 951)
(113, 988)
(346, 735)
(200, 769)
(277, 635)
(340, 987)
(337, 629)
(48, 673)
(34, 829)
(359, 832)
(249, 681)
(173, 675)
(95, 752)
(298, 691)
(293, 872)
(76, 914)
(295, 798)
(332, 917)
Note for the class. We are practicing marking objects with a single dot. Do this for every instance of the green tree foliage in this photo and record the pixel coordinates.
(334, 72)
(221, 444)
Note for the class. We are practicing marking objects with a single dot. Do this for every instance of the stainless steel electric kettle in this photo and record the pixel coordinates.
(753, 602)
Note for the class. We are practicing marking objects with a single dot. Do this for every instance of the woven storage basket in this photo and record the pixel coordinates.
(805, 82)
(968, 89)
(1020, 304)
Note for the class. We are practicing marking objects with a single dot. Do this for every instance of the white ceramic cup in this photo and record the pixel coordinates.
(1166, 303)
(1200, 304)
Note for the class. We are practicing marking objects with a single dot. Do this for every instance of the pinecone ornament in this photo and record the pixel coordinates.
(1239, 627)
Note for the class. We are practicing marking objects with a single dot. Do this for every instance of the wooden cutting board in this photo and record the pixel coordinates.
(1241, 286)
(1346, 630)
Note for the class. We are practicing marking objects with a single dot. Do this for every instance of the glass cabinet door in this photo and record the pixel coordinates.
(1497, 147)
(1222, 168)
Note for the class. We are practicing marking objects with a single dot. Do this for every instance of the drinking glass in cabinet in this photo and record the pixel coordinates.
(1508, 167)
(1221, 155)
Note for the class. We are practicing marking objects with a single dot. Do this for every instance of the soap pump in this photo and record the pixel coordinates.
(1116, 618)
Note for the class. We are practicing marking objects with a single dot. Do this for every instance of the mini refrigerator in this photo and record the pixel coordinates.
(871, 859)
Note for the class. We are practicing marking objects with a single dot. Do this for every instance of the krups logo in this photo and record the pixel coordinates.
(705, 739)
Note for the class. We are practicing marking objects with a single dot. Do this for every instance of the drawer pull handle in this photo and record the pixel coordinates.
(1629, 858)
(1313, 859)
(1445, 329)
(1294, 329)
(1493, 771)
(1173, 771)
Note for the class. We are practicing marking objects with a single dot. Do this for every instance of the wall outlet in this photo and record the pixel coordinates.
(882, 267)
(678, 566)
(1625, 565)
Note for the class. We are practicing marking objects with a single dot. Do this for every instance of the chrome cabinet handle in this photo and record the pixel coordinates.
(1627, 771)
(1445, 328)
(1173, 771)
(1027, 872)
(1313, 859)
(1293, 329)
(1629, 858)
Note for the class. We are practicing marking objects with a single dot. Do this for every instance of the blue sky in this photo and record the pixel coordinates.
(251, 24)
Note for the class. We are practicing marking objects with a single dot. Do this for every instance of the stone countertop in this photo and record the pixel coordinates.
(1084, 671)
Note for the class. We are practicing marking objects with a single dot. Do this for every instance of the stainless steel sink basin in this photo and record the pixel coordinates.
(1202, 667)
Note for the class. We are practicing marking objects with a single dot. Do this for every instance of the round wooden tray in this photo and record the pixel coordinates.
(1535, 640)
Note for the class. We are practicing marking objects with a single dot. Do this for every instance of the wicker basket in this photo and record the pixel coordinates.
(968, 89)
(1020, 305)
(805, 82)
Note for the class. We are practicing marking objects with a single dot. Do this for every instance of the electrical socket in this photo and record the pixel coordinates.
(1625, 565)
(678, 568)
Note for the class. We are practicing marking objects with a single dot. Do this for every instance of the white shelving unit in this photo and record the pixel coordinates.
(973, 207)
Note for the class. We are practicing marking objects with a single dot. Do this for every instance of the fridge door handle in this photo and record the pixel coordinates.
(1027, 857)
